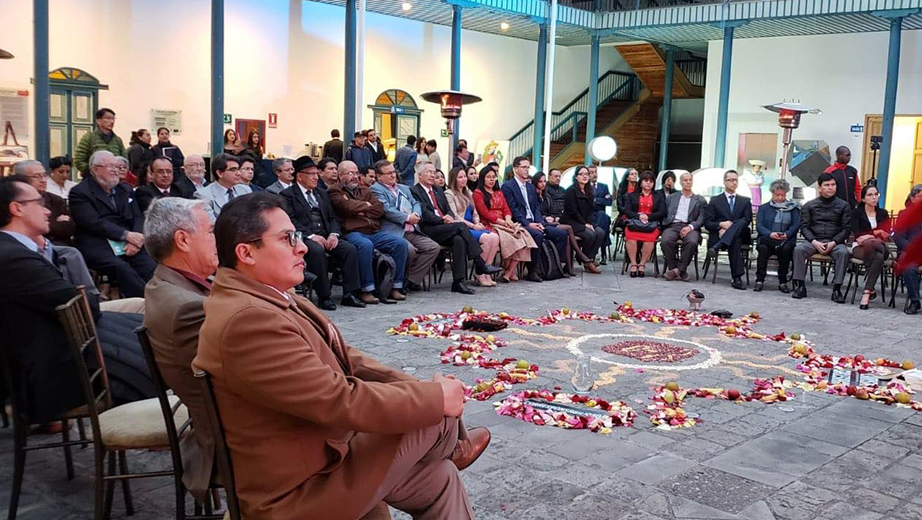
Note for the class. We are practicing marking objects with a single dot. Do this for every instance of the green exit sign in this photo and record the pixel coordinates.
(444, 132)
(227, 119)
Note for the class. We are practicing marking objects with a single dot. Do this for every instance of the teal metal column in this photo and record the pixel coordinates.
(349, 90)
(217, 77)
(667, 109)
(42, 99)
(720, 147)
(893, 72)
(593, 93)
(455, 64)
(540, 77)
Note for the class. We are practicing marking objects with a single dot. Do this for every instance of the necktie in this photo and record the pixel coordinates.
(525, 198)
(435, 203)
(732, 200)
(311, 200)
(230, 194)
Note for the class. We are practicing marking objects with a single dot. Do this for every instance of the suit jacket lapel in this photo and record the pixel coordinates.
(326, 329)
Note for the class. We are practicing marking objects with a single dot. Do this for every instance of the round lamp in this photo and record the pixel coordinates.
(602, 148)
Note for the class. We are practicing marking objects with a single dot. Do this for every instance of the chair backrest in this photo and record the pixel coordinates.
(165, 407)
(77, 319)
(222, 454)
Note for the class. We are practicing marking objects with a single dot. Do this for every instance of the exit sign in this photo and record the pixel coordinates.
(227, 119)
(444, 132)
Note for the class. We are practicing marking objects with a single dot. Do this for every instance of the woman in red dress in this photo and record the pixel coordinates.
(515, 243)
(645, 209)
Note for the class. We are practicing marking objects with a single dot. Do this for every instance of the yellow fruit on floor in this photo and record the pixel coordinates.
(672, 385)
(468, 309)
(796, 336)
(414, 327)
(800, 348)
(903, 398)
(566, 310)
(465, 355)
(491, 339)
(731, 330)
(907, 365)
(522, 364)
(615, 316)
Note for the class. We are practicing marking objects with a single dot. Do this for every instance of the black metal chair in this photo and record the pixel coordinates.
(116, 429)
(169, 411)
(225, 468)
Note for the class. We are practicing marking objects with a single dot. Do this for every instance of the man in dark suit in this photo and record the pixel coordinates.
(310, 211)
(441, 225)
(31, 287)
(161, 184)
(109, 226)
(685, 214)
(522, 199)
(61, 226)
(728, 219)
(375, 145)
(334, 147)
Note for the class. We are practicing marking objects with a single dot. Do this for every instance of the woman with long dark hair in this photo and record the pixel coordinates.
(254, 146)
(871, 226)
(667, 183)
(167, 149)
(515, 243)
(578, 206)
(628, 185)
(231, 146)
(644, 209)
(139, 153)
(461, 202)
(552, 212)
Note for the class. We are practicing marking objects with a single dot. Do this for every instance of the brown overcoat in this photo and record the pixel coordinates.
(312, 424)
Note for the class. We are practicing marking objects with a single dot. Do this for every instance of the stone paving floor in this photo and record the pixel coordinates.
(817, 456)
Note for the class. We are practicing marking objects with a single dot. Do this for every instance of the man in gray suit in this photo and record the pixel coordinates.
(179, 236)
(684, 218)
(228, 186)
(284, 172)
(401, 218)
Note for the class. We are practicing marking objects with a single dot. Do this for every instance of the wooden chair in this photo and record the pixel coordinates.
(169, 408)
(10, 373)
(116, 429)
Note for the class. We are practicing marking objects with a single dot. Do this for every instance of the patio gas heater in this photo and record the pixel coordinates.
(451, 102)
(789, 119)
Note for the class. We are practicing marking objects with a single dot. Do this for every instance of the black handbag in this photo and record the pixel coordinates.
(635, 224)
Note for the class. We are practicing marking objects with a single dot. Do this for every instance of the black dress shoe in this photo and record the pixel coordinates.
(712, 251)
(352, 301)
(481, 267)
(913, 308)
(412, 287)
(738, 284)
(461, 287)
(387, 300)
(800, 290)
(604, 261)
(533, 277)
(784, 288)
(837, 295)
(758, 287)
(327, 305)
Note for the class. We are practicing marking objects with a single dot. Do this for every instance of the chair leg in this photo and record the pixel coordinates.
(4, 416)
(68, 460)
(848, 286)
(126, 483)
(103, 495)
(81, 430)
(181, 499)
(19, 466)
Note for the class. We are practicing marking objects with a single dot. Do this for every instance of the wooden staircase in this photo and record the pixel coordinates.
(649, 63)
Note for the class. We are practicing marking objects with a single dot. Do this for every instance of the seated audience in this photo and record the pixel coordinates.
(472, 176)
(60, 184)
(777, 223)
(551, 195)
(32, 285)
(628, 185)
(180, 237)
(361, 432)
(160, 184)
(525, 207)
(579, 206)
(461, 202)
(728, 221)
(440, 224)
(165, 148)
(440, 179)
(515, 244)
(359, 212)
(667, 184)
(310, 210)
(402, 214)
(825, 222)
(227, 185)
(329, 173)
(367, 176)
(685, 212)
(61, 226)
(194, 169)
(247, 171)
(870, 225)
(284, 175)
(645, 209)
(902, 238)
(125, 175)
(602, 200)
(109, 226)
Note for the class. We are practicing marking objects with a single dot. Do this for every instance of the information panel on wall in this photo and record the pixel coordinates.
(14, 108)
(171, 119)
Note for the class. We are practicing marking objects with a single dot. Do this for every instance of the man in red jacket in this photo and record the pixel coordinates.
(848, 185)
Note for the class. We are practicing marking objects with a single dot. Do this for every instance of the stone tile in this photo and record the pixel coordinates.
(898, 480)
(757, 511)
(909, 511)
(577, 450)
(650, 440)
(843, 510)
(684, 508)
(885, 450)
(841, 474)
(837, 428)
(905, 435)
(871, 410)
(615, 459)
(717, 489)
(871, 500)
(656, 469)
(697, 449)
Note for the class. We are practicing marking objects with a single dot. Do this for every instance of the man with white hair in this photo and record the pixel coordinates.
(194, 168)
(109, 226)
(180, 237)
(61, 226)
(284, 174)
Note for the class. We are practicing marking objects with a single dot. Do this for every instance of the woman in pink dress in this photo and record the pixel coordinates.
(644, 209)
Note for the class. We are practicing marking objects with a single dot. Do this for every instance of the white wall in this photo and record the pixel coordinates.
(284, 57)
(844, 75)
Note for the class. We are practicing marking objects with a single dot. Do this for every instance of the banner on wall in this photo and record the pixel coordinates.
(172, 119)
(493, 150)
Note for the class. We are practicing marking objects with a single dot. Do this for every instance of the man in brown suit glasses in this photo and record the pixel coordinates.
(315, 428)
(179, 235)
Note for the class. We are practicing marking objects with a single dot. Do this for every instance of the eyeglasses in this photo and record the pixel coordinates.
(27, 201)
(294, 237)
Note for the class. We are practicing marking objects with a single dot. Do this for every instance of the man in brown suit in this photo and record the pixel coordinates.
(315, 428)
(179, 235)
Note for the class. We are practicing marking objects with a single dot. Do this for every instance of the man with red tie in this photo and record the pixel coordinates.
(848, 187)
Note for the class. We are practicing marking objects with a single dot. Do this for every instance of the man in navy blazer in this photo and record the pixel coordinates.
(527, 212)
(107, 217)
(728, 220)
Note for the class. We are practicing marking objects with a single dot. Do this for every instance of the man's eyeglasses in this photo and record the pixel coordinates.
(27, 201)
(294, 237)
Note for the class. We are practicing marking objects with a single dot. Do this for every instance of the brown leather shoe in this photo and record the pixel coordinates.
(397, 295)
(369, 299)
(591, 268)
(467, 451)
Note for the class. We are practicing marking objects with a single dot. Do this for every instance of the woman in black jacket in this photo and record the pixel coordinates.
(645, 209)
(139, 153)
(871, 227)
(578, 206)
(629, 184)
(167, 149)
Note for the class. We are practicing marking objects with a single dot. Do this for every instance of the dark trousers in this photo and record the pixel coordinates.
(130, 273)
(911, 279)
(558, 236)
(591, 240)
(344, 254)
(784, 250)
(873, 252)
(463, 245)
(600, 219)
(670, 243)
(732, 241)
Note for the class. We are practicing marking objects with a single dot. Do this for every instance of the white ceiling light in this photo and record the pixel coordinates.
(504, 26)
(407, 6)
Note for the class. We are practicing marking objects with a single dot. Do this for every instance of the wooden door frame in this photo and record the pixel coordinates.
(866, 156)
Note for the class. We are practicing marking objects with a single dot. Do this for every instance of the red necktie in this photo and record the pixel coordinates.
(435, 203)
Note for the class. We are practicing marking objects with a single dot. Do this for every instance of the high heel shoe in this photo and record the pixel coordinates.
(864, 306)
(633, 271)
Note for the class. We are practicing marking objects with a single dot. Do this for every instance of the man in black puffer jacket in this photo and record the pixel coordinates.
(825, 225)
